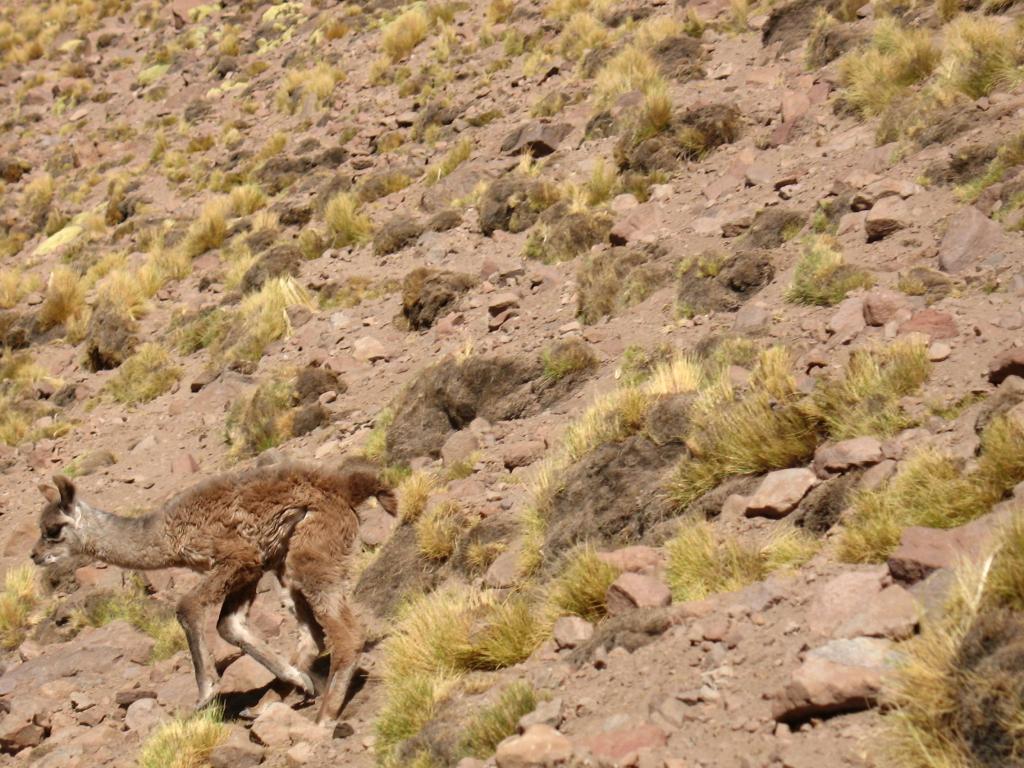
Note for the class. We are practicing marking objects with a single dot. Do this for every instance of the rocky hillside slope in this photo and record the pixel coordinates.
(689, 334)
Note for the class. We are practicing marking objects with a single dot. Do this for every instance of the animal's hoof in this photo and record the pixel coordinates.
(207, 700)
(306, 684)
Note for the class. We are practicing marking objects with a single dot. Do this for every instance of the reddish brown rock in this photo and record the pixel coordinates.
(882, 306)
(635, 559)
(1006, 364)
(536, 137)
(923, 550)
(841, 676)
(931, 322)
(571, 631)
(634, 590)
(888, 215)
(618, 744)
(780, 492)
(847, 454)
(237, 751)
(971, 238)
(894, 613)
(280, 726)
(843, 597)
(184, 464)
(540, 747)
(245, 675)
(522, 453)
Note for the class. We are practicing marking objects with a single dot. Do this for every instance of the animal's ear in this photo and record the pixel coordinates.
(49, 493)
(67, 490)
(389, 501)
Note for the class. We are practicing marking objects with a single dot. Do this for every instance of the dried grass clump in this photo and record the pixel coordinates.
(864, 400)
(400, 36)
(633, 69)
(149, 616)
(437, 638)
(581, 587)
(259, 420)
(19, 599)
(700, 563)
(413, 493)
(932, 490)
(314, 86)
(490, 726)
(822, 277)
(64, 302)
(439, 529)
(144, 376)
(263, 318)
(210, 229)
(455, 157)
(895, 59)
(184, 743)
(957, 697)
(345, 224)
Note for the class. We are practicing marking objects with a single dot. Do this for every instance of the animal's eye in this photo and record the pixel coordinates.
(53, 533)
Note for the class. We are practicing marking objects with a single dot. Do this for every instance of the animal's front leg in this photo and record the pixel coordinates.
(192, 611)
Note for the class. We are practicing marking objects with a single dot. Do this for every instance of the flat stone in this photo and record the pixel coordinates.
(536, 137)
(636, 559)
(882, 306)
(894, 613)
(237, 751)
(847, 454)
(280, 726)
(369, 349)
(841, 676)
(888, 215)
(780, 492)
(933, 323)
(245, 675)
(541, 746)
(634, 590)
(459, 447)
(923, 550)
(614, 745)
(971, 239)
(571, 631)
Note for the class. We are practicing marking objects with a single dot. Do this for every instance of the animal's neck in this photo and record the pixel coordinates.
(128, 542)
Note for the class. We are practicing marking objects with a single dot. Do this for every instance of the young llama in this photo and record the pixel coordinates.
(292, 519)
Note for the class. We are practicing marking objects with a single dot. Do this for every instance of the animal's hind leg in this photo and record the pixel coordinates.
(311, 635)
(344, 640)
(234, 628)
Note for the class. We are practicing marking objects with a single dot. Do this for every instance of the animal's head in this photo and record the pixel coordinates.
(58, 523)
(365, 479)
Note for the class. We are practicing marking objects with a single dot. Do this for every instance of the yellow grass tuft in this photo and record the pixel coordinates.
(345, 224)
(15, 285)
(184, 743)
(210, 229)
(400, 36)
(896, 58)
(455, 157)
(701, 563)
(314, 86)
(20, 597)
(144, 376)
(580, 589)
(262, 317)
(413, 493)
(439, 529)
(64, 300)
(632, 69)
(932, 490)
(822, 277)
(582, 33)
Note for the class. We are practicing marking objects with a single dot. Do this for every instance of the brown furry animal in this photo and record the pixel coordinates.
(292, 519)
